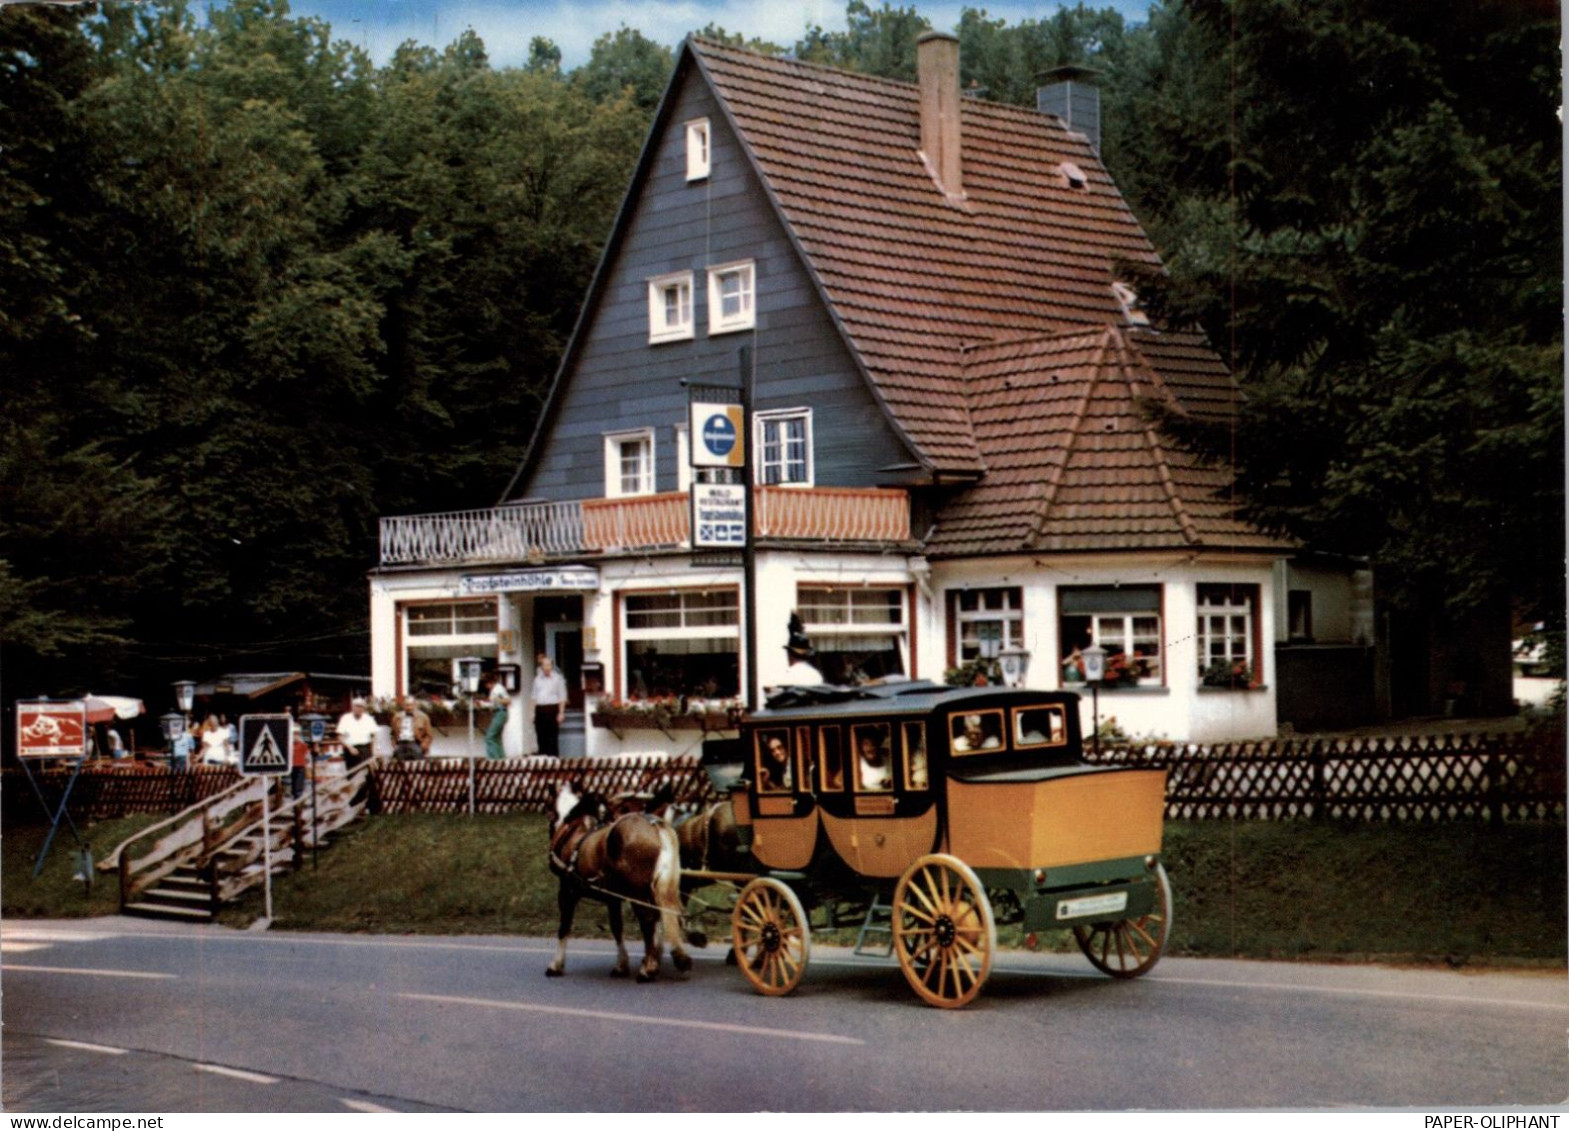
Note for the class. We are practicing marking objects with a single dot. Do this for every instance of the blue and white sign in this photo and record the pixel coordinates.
(718, 440)
(718, 516)
(265, 744)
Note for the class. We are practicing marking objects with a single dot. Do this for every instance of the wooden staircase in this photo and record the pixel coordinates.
(187, 867)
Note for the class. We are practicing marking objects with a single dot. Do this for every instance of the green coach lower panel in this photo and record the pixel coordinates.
(1072, 896)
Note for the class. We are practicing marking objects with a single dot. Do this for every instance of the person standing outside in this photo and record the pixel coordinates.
(184, 744)
(550, 707)
(411, 732)
(357, 732)
(500, 700)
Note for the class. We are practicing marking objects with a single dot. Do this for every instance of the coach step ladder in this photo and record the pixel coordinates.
(878, 923)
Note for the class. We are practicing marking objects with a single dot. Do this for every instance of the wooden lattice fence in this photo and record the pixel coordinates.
(1420, 778)
(113, 791)
(527, 783)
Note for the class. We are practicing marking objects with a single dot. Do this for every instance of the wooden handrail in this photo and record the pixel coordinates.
(112, 861)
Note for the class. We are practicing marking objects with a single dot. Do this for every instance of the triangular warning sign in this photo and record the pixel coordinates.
(265, 752)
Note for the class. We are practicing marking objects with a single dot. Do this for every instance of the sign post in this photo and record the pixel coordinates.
(52, 729)
(266, 742)
(720, 422)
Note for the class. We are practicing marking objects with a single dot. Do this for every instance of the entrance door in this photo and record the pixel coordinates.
(564, 646)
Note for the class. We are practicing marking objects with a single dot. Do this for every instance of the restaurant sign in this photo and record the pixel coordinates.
(51, 729)
(560, 579)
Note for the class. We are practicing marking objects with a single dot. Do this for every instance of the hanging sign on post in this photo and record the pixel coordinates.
(51, 729)
(717, 436)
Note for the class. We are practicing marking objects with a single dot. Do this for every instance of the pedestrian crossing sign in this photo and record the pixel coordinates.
(265, 742)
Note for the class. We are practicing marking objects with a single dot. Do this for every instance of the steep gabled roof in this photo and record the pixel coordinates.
(1073, 463)
(912, 277)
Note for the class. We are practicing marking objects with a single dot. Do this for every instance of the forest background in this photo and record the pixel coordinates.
(257, 291)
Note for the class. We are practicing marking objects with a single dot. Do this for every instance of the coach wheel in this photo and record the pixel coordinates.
(943, 930)
(1127, 948)
(771, 936)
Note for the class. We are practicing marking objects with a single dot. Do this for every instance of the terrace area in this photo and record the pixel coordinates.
(539, 532)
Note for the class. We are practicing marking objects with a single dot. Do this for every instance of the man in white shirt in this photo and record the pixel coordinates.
(357, 732)
(550, 707)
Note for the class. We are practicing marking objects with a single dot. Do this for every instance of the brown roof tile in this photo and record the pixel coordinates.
(988, 327)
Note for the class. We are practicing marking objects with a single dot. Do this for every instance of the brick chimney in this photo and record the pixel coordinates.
(937, 67)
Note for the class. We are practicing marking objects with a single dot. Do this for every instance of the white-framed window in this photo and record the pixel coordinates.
(987, 621)
(1228, 650)
(858, 633)
(1125, 620)
(685, 642)
(629, 463)
(437, 632)
(784, 447)
(670, 307)
(730, 298)
(697, 149)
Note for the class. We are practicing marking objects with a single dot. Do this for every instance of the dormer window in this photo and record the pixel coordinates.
(1128, 300)
(1073, 175)
(730, 290)
(697, 149)
(670, 307)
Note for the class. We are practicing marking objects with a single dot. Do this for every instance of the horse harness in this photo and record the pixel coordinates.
(566, 846)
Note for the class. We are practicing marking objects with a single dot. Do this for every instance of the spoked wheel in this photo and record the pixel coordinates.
(943, 931)
(1130, 947)
(771, 935)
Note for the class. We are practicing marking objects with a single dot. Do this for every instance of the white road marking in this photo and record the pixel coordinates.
(237, 1073)
(1352, 991)
(368, 1108)
(84, 970)
(85, 1046)
(641, 1019)
(21, 947)
(52, 934)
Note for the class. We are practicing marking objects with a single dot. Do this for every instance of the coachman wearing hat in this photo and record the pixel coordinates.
(802, 672)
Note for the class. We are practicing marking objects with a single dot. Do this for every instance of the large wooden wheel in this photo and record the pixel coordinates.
(1127, 948)
(771, 936)
(943, 931)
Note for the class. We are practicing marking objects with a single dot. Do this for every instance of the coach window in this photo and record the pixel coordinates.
(773, 761)
(975, 731)
(830, 757)
(873, 757)
(1039, 726)
(916, 774)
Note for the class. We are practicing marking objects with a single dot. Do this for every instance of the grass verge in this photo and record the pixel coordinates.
(54, 893)
(1447, 893)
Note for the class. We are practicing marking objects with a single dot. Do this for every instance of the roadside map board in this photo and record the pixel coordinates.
(265, 743)
(51, 729)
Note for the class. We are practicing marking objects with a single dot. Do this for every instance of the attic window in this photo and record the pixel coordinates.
(1128, 300)
(730, 289)
(697, 154)
(1073, 175)
(670, 307)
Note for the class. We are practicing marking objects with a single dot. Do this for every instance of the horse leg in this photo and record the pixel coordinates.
(648, 919)
(623, 966)
(566, 901)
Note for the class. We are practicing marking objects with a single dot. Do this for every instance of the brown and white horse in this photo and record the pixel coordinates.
(631, 857)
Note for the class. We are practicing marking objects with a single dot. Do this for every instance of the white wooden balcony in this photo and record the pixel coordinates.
(534, 532)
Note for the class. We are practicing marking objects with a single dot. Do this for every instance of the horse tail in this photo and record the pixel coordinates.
(666, 886)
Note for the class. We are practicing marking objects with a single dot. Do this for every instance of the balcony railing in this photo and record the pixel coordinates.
(545, 531)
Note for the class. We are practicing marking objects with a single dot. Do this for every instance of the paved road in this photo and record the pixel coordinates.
(211, 1019)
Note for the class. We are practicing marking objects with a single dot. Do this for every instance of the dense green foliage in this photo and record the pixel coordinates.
(256, 291)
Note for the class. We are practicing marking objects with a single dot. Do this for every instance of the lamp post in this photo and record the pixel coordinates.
(465, 671)
(1015, 663)
(315, 725)
(1094, 672)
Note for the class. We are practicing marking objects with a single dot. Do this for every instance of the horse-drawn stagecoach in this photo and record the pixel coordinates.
(943, 812)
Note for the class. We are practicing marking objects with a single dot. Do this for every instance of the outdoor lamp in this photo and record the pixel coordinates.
(172, 723)
(1015, 663)
(1094, 663)
(185, 694)
(465, 670)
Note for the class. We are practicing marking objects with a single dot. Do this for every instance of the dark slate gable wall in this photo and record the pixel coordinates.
(620, 382)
